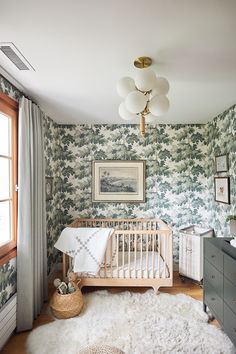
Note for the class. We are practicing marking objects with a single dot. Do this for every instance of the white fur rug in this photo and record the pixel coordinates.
(135, 323)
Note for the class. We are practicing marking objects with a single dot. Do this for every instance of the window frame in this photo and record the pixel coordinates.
(10, 107)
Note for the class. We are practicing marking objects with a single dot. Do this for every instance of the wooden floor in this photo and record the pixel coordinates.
(16, 344)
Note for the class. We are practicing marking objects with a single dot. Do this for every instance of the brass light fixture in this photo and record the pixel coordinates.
(145, 96)
(142, 62)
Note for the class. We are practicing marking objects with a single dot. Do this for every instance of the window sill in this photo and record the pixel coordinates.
(7, 252)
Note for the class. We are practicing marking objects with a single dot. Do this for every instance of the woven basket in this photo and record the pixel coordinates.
(66, 306)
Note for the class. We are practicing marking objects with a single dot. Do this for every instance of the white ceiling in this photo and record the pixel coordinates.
(80, 48)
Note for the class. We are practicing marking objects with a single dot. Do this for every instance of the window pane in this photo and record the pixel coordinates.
(5, 223)
(5, 178)
(5, 130)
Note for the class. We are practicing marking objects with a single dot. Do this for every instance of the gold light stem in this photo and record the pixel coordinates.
(142, 125)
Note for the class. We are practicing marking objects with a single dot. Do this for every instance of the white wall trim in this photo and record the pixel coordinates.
(7, 320)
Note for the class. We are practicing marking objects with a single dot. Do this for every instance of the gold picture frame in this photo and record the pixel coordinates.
(118, 181)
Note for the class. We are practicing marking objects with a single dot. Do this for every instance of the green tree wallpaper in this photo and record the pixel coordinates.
(176, 171)
(222, 140)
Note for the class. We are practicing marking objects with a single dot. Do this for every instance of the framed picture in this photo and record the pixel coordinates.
(49, 187)
(221, 163)
(118, 181)
(222, 190)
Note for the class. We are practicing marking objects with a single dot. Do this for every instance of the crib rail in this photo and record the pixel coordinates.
(122, 224)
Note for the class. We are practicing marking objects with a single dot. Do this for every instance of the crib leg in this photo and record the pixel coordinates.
(156, 290)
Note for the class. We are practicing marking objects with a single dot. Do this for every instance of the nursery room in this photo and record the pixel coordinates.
(118, 177)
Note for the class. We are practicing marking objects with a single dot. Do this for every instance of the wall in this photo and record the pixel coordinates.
(176, 175)
(7, 281)
(52, 161)
(222, 140)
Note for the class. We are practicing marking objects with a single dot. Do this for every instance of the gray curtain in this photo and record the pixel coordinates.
(31, 242)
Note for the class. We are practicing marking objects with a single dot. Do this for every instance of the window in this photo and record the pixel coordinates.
(8, 177)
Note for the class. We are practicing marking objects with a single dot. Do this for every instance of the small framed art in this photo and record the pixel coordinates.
(118, 181)
(221, 163)
(49, 187)
(222, 189)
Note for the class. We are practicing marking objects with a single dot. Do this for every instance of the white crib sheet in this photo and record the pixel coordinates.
(144, 270)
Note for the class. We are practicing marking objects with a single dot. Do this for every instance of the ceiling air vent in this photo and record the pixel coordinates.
(15, 56)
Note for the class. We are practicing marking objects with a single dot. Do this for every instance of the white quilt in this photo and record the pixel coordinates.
(86, 245)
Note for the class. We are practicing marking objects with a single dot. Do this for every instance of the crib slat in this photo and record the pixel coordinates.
(158, 257)
(111, 253)
(117, 254)
(147, 256)
(129, 255)
(65, 265)
(164, 270)
(153, 254)
(141, 257)
(123, 254)
(105, 264)
(135, 255)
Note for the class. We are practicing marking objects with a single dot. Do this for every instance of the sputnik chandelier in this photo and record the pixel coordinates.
(144, 96)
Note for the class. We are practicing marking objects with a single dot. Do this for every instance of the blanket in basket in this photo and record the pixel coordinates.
(86, 245)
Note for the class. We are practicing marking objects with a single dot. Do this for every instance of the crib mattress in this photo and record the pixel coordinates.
(151, 266)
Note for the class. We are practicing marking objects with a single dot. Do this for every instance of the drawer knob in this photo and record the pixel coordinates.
(213, 277)
(213, 256)
(213, 299)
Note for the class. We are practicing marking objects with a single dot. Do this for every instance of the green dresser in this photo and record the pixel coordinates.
(219, 279)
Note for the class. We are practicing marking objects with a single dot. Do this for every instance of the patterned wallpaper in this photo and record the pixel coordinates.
(9, 89)
(222, 140)
(52, 160)
(176, 174)
(7, 281)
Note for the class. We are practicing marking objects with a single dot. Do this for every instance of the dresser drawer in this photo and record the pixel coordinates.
(230, 295)
(230, 268)
(214, 277)
(230, 323)
(213, 255)
(213, 301)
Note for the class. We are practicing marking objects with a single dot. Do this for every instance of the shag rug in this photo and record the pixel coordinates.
(135, 323)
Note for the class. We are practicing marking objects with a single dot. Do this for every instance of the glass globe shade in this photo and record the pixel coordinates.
(124, 114)
(159, 105)
(145, 80)
(161, 88)
(150, 119)
(135, 102)
(124, 86)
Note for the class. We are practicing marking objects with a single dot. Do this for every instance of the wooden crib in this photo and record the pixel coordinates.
(139, 254)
